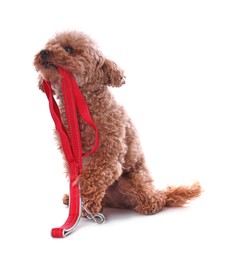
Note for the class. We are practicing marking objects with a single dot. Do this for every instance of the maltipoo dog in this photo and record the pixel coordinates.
(116, 175)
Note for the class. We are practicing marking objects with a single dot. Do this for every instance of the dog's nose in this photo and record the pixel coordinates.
(44, 54)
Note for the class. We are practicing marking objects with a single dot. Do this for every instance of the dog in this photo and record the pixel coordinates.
(116, 175)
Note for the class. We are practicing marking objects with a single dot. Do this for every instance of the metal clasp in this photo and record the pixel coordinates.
(99, 218)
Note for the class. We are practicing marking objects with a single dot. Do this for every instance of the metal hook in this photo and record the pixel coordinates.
(98, 218)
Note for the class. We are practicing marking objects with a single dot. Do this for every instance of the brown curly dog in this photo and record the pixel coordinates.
(116, 175)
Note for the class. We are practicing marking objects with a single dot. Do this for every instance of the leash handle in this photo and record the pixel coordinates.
(71, 144)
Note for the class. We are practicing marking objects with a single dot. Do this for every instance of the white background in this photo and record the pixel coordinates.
(177, 56)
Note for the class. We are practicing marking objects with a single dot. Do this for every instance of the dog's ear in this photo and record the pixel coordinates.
(112, 75)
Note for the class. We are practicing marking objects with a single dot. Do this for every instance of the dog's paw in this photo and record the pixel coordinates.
(66, 199)
(151, 205)
(91, 206)
(92, 200)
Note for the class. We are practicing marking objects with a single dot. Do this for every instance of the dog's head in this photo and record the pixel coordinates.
(77, 53)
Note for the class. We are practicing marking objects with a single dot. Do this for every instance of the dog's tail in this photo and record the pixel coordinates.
(181, 195)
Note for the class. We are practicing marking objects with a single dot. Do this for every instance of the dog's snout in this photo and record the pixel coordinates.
(44, 54)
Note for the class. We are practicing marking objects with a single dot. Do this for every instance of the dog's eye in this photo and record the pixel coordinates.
(68, 49)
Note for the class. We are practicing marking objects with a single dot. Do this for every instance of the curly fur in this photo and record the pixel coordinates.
(116, 175)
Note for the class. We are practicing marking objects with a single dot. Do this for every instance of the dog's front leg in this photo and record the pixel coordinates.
(97, 176)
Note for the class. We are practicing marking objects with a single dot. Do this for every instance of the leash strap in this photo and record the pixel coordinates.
(71, 143)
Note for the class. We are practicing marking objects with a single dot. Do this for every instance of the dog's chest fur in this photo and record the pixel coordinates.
(87, 135)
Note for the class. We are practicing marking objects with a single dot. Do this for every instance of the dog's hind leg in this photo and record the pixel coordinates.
(136, 185)
(141, 194)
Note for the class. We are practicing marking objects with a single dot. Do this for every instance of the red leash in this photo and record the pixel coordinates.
(71, 144)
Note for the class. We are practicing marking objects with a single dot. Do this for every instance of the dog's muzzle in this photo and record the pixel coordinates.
(44, 55)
